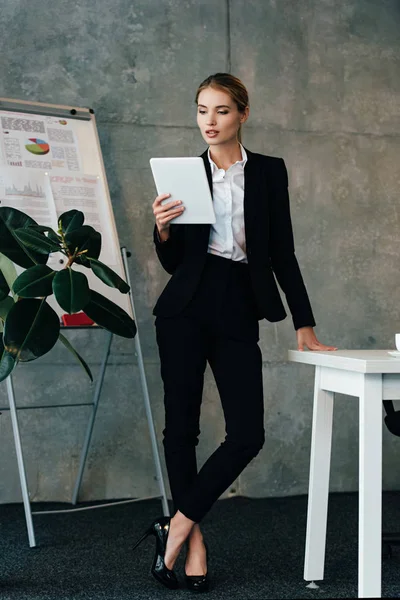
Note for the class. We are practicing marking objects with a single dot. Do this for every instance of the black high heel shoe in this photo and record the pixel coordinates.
(199, 583)
(160, 529)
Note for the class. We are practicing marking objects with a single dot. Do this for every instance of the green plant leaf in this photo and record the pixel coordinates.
(108, 276)
(35, 281)
(79, 358)
(41, 228)
(7, 363)
(110, 316)
(71, 290)
(54, 237)
(8, 269)
(51, 234)
(31, 329)
(5, 306)
(4, 287)
(36, 241)
(84, 238)
(10, 220)
(71, 220)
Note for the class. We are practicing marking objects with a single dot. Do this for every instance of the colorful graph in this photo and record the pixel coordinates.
(37, 146)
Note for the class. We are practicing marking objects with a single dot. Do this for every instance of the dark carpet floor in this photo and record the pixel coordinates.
(256, 551)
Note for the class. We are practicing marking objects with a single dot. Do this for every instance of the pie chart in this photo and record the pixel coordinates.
(37, 146)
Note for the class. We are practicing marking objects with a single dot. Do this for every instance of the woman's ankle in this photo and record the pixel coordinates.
(196, 537)
(181, 526)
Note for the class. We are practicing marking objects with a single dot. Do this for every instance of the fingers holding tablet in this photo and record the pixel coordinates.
(164, 213)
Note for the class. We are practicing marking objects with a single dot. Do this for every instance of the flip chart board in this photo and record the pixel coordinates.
(51, 162)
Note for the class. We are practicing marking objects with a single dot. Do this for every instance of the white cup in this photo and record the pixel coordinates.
(397, 340)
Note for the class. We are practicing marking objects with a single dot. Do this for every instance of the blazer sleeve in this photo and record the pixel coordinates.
(170, 252)
(282, 252)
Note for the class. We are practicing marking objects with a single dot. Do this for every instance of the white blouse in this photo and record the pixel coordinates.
(227, 237)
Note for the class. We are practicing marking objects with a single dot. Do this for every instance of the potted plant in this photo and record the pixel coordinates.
(29, 326)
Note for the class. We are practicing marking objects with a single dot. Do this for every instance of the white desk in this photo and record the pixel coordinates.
(372, 376)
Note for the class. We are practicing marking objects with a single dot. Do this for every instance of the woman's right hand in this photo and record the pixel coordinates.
(164, 213)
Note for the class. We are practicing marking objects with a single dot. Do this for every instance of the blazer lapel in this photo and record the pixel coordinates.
(204, 229)
(207, 165)
(253, 194)
(251, 182)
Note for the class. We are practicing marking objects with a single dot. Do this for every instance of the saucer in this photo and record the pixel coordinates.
(395, 353)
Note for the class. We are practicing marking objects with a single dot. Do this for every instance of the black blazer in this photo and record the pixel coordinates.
(269, 246)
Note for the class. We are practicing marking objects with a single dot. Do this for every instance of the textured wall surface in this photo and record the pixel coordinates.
(324, 84)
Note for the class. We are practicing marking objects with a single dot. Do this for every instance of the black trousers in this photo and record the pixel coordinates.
(220, 326)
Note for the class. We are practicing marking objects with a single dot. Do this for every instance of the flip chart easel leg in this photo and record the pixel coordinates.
(90, 426)
(20, 460)
(149, 415)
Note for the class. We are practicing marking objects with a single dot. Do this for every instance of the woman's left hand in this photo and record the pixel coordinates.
(307, 337)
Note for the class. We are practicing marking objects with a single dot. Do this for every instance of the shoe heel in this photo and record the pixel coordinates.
(144, 536)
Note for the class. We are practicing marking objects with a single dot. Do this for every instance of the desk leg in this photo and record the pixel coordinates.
(318, 491)
(370, 486)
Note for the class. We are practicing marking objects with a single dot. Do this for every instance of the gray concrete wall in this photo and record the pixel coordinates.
(324, 84)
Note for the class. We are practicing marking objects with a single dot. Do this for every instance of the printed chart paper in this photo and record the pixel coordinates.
(28, 191)
(38, 142)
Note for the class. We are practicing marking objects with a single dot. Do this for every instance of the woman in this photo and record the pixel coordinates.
(222, 284)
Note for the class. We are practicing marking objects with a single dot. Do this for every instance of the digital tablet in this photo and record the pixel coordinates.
(185, 178)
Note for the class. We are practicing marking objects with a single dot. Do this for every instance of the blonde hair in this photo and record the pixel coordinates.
(233, 86)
